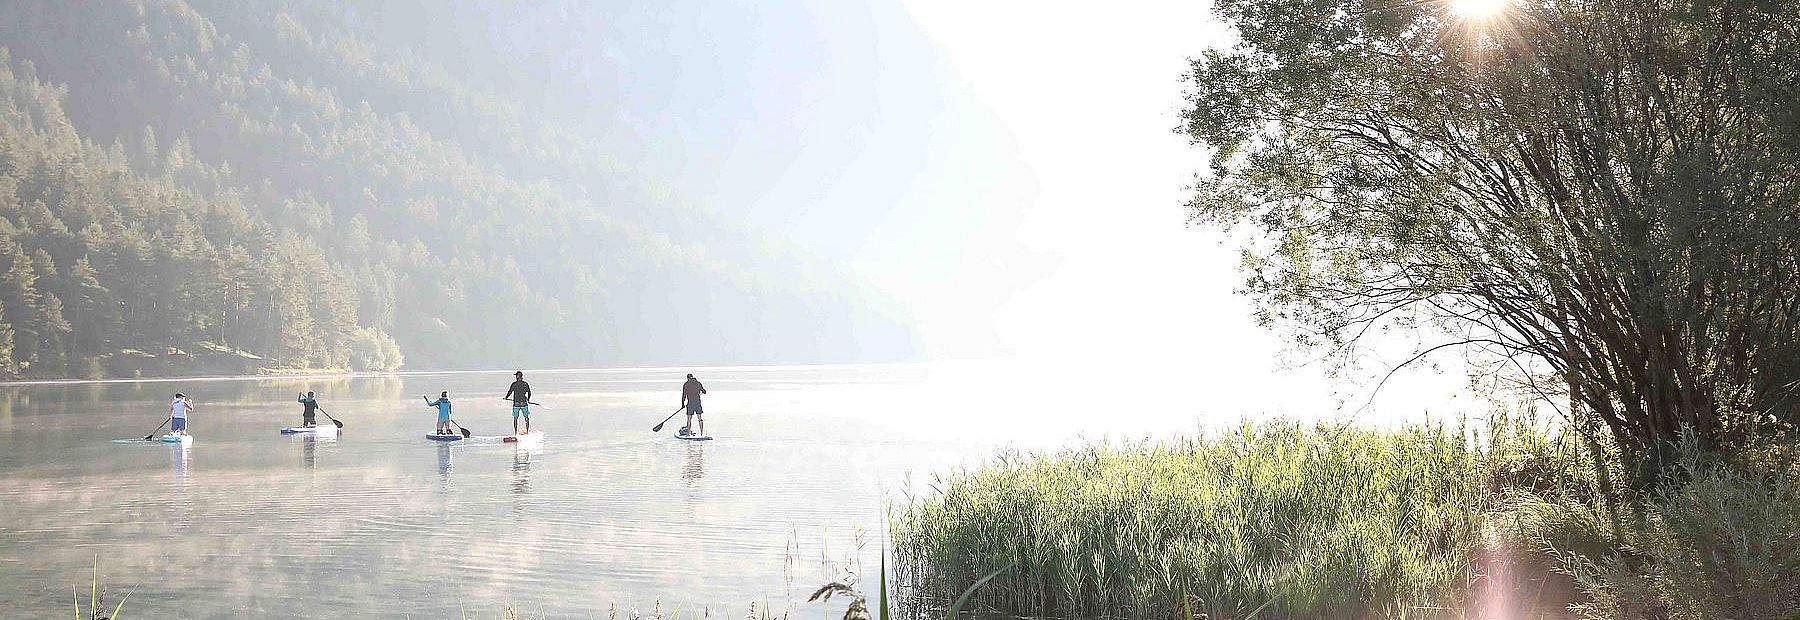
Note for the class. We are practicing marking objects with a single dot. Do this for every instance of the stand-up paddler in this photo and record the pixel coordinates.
(178, 413)
(443, 407)
(309, 406)
(690, 401)
(520, 393)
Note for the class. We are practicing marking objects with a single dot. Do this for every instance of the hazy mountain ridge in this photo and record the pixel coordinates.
(478, 247)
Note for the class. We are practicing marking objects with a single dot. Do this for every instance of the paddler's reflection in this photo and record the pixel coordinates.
(444, 464)
(521, 470)
(694, 468)
(309, 452)
(178, 461)
(180, 456)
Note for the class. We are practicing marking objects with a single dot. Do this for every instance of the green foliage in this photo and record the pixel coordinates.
(1513, 520)
(1719, 539)
(374, 351)
(1278, 520)
(1604, 198)
(266, 177)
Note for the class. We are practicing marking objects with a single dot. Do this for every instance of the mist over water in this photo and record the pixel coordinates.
(379, 520)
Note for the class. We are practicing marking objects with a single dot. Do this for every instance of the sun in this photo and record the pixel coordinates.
(1477, 9)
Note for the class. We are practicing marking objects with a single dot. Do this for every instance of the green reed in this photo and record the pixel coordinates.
(97, 599)
(1274, 520)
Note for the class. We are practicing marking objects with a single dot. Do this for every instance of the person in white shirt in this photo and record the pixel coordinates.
(178, 413)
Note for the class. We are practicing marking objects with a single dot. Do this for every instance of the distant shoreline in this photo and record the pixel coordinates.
(349, 374)
(165, 379)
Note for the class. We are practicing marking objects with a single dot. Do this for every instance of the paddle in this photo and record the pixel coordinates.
(659, 425)
(333, 420)
(158, 428)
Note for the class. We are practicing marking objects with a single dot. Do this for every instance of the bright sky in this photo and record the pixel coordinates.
(1090, 94)
(1007, 171)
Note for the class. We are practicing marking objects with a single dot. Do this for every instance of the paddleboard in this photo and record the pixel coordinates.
(680, 435)
(322, 429)
(531, 438)
(447, 437)
(178, 438)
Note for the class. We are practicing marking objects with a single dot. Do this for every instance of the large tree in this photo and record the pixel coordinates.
(1602, 193)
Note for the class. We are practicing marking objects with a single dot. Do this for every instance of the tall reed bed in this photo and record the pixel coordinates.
(1274, 520)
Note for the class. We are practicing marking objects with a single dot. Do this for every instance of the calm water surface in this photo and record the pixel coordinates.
(379, 520)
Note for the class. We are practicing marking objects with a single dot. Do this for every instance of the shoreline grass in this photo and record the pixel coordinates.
(1279, 520)
(1273, 520)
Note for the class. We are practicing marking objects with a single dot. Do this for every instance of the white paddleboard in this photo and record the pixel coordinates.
(530, 438)
(322, 429)
(182, 439)
(680, 435)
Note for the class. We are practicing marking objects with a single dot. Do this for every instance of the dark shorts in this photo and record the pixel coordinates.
(178, 424)
(694, 407)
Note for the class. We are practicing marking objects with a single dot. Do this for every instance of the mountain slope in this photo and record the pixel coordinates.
(263, 184)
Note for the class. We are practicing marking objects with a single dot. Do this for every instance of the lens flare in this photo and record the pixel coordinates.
(1477, 9)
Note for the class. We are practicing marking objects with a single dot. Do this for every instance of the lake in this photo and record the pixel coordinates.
(792, 494)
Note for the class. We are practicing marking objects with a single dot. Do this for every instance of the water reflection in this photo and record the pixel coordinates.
(521, 470)
(444, 462)
(602, 522)
(309, 452)
(693, 468)
(6, 408)
(180, 455)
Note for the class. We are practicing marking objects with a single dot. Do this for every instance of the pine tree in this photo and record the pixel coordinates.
(18, 290)
(52, 358)
(90, 317)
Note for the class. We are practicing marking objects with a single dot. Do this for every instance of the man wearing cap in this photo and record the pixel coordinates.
(520, 393)
(690, 400)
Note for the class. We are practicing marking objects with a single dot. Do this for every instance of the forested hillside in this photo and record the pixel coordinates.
(199, 186)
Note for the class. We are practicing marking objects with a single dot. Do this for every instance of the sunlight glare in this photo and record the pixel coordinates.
(1476, 9)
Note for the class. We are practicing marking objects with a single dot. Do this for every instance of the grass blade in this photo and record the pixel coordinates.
(121, 605)
(956, 610)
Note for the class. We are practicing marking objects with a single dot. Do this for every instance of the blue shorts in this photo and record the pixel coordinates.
(518, 410)
(694, 408)
(178, 424)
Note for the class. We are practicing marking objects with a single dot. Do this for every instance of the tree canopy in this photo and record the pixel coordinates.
(262, 185)
(1605, 196)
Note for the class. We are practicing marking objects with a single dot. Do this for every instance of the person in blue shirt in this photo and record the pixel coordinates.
(443, 407)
